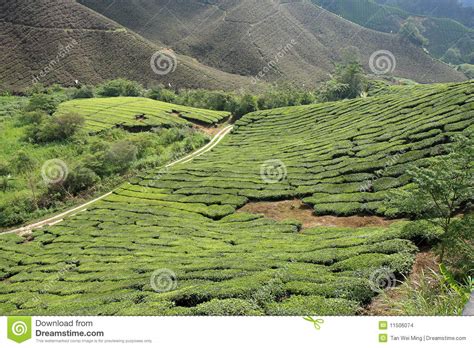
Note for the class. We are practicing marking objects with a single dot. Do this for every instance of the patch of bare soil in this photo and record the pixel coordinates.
(296, 209)
(211, 130)
(381, 305)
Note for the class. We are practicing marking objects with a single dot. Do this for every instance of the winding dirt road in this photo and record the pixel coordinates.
(58, 218)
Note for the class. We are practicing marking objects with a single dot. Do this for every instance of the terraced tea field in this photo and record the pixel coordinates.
(172, 243)
(103, 113)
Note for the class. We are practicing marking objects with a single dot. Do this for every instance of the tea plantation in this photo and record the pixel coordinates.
(182, 225)
(103, 113)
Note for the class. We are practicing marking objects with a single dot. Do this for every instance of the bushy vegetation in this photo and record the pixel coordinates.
(31, 136)
(439, 191)
(410, 31)
(431, 294)
(119, 87)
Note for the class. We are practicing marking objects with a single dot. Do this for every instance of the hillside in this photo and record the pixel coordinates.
(443, 33)
(284, 41)
(172, 242)
(130, 112)
(67, 41)
(458, 10)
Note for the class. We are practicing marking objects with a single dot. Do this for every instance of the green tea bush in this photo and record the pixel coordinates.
(311, 305)
(227, 307)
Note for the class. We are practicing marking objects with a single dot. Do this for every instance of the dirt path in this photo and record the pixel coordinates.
(58, 218)
(296, 209)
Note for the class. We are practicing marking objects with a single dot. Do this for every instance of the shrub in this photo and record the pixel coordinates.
(33, 117)
(409, 31)
(421, 232)
(247, 104)
(5, 168)
(161, 93)
(440, 190)
(120, 156)
(311, 305)
(120, 87)
(80, 179)
(83, 92)
(348, 82)
(56, 128)
(468, 70)
(231, 306)
(42, 102)
(17, 211)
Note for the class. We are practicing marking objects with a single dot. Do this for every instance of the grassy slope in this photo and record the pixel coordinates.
(442, 33)
(32, 35)
(100, 261)
(244, 36)
(103, 113)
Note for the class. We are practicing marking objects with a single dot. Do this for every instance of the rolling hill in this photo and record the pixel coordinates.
(172, 242)
(283, 41)
(130, 112)
(67, 41)
(443, 34)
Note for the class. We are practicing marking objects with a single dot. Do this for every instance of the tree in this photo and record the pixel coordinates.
(120, 156)
(56, 128)
(248, 103)
(349, 82)
(410, 31)
(83, 93)
(439, 191)
(120, 87)
(43, 102)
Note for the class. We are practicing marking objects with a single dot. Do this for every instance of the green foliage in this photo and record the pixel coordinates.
(309, 305)
(23, 162)
(429, 295)
(80, 179)
(121, 155)
(82, 92)
(233, 307)
(119, 87)
(453, 55)
(439, 30)
(468, 69)
(33, 117)
(42, 102)
(163, 94)
(348, 82)
(422, 232)
(439, 191)
(458, 245)
(55, 128)
(16, 211)
(409, 31)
